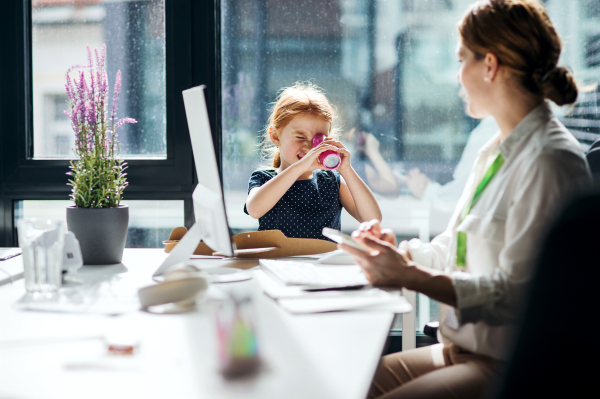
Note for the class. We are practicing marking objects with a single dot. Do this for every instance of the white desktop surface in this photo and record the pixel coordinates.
(329, 355)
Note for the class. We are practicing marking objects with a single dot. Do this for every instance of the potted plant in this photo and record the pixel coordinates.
(97, 176)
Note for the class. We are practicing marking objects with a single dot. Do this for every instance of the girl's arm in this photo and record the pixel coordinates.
(355, 196)
(262, 199)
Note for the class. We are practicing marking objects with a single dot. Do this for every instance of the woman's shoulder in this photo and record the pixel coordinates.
(555, 155)
(557, 143)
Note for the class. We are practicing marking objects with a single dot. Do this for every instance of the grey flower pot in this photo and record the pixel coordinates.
(101, 232)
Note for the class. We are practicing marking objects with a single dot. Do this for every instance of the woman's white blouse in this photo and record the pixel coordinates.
(543, 162)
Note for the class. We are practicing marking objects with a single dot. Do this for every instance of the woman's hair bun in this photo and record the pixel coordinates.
(559, 86)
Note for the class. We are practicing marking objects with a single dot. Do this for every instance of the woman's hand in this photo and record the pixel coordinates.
(373, 229)
(383, 265)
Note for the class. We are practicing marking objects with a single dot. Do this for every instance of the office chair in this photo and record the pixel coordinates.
(557, 349)
(595, 145)
(593, 158)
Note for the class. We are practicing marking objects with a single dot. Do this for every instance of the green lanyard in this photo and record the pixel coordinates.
(461, 241)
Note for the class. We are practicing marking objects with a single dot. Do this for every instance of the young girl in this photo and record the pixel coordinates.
(298, 196)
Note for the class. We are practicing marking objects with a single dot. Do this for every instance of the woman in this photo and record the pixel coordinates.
(478, 268)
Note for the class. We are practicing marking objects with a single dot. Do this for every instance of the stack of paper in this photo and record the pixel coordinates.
(11, 265)
(294, 300)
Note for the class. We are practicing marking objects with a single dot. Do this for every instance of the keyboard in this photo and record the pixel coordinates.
(300, 273)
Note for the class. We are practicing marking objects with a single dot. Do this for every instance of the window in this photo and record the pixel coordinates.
(390, 68)
(149, 41)
(134, 34)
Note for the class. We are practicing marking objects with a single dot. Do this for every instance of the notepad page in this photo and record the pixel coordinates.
(11, 269)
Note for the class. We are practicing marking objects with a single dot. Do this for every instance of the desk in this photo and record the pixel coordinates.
(330, 355)
(405, 214)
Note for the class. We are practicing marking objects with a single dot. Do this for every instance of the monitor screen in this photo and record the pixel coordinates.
(209, 205)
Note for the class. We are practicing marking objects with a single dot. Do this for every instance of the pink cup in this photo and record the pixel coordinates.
(329, 159)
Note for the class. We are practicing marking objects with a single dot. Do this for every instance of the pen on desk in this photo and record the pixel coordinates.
(345, 288)
(6, 257)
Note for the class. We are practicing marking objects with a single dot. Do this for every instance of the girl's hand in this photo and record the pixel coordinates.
(342, 151)
(373, 229)
(310, 161)
(384, 265)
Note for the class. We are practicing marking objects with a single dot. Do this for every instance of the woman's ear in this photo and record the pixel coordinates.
(491, 67)
(273, 135)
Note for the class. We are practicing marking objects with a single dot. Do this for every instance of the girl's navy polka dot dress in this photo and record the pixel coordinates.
(307, 207)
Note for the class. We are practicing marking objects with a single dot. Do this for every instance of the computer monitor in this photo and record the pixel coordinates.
(209, 206)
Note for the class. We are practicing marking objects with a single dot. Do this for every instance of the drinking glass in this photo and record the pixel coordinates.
(234, 321)
(42, 243)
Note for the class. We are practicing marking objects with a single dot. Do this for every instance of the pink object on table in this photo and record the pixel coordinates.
(329, 159)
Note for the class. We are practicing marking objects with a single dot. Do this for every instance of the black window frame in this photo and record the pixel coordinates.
(192, 39)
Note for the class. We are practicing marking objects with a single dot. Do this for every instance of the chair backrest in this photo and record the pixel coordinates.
(595, 144)
(557, 347)
(593, 158)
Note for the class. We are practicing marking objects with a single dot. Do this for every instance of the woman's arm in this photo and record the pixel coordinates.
(538, 194)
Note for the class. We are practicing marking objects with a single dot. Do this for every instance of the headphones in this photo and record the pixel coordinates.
(182, 287)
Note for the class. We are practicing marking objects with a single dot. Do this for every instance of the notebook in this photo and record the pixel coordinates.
(11, 265)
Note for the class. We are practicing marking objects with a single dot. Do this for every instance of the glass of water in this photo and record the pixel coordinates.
(42, 243)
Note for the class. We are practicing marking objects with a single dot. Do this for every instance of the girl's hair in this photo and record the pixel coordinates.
(521, 35)
(300, 98)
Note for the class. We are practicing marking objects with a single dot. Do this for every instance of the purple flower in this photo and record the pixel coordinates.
(115, 96)
(88, 101)
(124, 120)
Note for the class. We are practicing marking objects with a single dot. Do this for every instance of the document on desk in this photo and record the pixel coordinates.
(295, 300)
(11, 265)
(107, 290)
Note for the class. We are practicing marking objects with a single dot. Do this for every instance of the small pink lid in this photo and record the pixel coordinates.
(318, 139)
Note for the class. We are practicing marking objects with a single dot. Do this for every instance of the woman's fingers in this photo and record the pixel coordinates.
(388, 235)
(371, 225)
(363, 259)
(357, 253)
(383, 266)
(373, 228)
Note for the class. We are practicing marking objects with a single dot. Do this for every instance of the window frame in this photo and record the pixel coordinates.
(192, 32)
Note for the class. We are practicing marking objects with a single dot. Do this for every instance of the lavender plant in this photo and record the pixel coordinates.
(97, 176)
